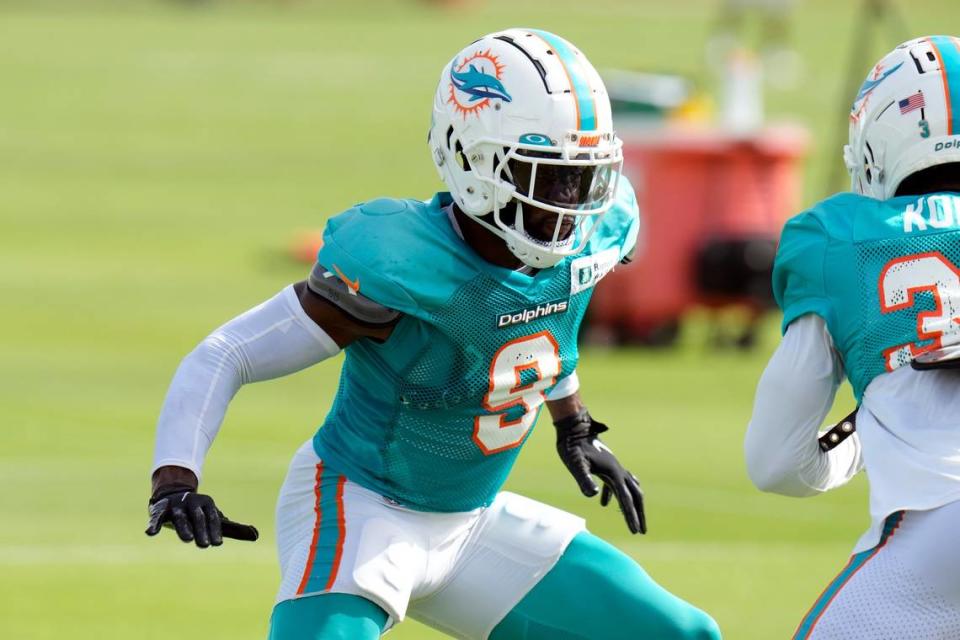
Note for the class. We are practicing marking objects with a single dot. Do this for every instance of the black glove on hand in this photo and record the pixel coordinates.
(584, 454)
(195, 517)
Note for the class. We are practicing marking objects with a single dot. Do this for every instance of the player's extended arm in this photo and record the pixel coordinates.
(584, 455)
(295, 329)
(794, 395)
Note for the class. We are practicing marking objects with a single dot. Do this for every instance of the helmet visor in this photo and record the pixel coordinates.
(547, 179)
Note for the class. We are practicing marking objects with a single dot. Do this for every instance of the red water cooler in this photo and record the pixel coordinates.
(713, 205)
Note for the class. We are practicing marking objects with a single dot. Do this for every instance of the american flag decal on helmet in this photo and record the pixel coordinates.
(912, 103)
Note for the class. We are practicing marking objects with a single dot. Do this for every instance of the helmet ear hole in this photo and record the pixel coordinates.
(868, 163)
(461, 158)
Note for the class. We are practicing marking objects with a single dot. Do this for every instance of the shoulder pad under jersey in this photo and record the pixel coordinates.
(401, 254)
(799, 278)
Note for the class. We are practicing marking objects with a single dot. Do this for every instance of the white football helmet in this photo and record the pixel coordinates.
(906, 116)
(522, 116)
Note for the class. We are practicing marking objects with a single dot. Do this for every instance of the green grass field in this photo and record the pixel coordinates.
(155, 160)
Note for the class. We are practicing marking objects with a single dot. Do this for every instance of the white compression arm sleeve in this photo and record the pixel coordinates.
(794, 396)
(271, 340)
(565, 388)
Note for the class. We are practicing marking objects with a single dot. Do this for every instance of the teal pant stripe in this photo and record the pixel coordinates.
(578, 79)
(856, 563)
(950, 56)
(597, 591)
(329, 542)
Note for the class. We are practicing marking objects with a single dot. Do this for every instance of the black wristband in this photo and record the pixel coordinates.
(170, 489)
(574, 420)
(841, 431)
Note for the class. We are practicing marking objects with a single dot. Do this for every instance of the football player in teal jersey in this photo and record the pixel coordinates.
(869, 284)
(458, 317)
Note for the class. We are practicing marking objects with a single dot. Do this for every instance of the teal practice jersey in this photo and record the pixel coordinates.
(434, 417)
(882, 274)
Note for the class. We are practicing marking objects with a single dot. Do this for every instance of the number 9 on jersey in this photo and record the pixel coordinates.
(520, 372)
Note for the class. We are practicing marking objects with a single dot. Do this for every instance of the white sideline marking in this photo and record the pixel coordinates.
(119, 554)
(786, 552)
(731, 501)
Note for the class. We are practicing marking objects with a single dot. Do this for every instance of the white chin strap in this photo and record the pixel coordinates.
(530, 251)
(533, 252)
(529, 254)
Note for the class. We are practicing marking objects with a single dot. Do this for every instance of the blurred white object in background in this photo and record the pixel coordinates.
(741, 104)
(783, 68)
(763, 26)
(653, 92)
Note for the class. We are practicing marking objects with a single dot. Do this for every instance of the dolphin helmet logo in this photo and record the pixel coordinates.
(478, 84)
(870, 84)
(475, 82)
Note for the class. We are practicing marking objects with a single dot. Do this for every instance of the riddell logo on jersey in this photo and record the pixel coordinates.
(529, 315)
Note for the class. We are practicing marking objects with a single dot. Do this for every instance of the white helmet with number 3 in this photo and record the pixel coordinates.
(906, 117)
(521, 116)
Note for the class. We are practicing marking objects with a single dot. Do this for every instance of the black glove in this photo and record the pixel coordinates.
(584, 454)
(195, 517)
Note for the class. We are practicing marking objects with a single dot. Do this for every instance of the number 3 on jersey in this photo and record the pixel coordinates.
(519, 373)
(901, 280)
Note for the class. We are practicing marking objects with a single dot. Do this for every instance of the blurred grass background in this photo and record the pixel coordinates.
(155, 160)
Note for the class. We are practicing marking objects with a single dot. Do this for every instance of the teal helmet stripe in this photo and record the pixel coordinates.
(948, 50)
(586, 105)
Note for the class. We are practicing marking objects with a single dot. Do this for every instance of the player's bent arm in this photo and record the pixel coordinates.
(292, 330)
(275, 338)
(794, 396)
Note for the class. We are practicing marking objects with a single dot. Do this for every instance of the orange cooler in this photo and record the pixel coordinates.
(699, 189)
